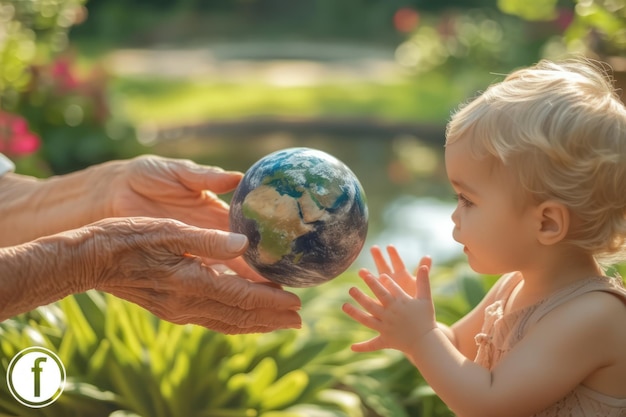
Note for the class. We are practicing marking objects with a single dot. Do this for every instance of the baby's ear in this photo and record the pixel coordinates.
(554, 222)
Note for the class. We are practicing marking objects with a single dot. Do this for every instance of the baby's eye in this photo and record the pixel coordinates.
(463, 201)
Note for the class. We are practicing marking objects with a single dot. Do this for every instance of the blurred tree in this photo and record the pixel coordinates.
(458, 42)
(369, 20)
(52, 118)
(592, 27)
(31, 31)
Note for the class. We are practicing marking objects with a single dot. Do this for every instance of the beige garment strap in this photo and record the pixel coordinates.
(605, 284)
(508, 284)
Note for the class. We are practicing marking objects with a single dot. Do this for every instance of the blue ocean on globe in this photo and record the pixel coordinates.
(305, 215)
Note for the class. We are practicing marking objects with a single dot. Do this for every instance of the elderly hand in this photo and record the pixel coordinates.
(174, 188)
(149, 186)
(179, 189)
(154, 263)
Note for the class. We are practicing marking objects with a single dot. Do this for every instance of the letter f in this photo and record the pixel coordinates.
(36, 369)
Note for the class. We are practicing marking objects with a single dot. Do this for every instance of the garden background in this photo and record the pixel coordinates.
(225, 82)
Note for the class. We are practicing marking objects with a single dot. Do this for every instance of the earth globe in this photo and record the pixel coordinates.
(305, 215)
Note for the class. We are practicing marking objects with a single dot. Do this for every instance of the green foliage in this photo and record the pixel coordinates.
(530, 9)
(592, 26)
(119, 357)
(122, 361)
(72, 114)
(462, 42)
(78, 122)
(32, 30)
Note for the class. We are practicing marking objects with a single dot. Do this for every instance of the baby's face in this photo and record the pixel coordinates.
(491, 221)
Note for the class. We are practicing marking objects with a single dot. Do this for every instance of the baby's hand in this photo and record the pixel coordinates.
(400, 318)
(397, 271)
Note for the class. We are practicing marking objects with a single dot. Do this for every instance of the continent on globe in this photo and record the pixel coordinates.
(305, 215)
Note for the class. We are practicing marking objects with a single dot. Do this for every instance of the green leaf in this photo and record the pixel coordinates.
(128, 384)
(93, 305)
(346, 401)
(473, 290)
(260, 378)
(96, 368)
(376, 396)
(285, 414)
(79, 325)
(230, 413)
(285, 391)
(307, 410)
(238, 362)
(297, 356)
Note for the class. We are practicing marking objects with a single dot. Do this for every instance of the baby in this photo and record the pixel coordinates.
(538, 163)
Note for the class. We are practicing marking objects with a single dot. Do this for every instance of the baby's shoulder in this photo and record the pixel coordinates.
(597, 311)
(598, 304)
(599, 320)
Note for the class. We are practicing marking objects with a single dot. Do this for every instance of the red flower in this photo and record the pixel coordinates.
(15, 137)
(406, 19)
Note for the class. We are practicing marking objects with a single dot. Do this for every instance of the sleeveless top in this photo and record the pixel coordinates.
(501, 332)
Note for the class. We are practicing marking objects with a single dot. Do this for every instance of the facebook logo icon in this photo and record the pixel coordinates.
(37, 371)
(36, 377)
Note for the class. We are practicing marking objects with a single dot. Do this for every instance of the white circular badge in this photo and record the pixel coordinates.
(36, 377)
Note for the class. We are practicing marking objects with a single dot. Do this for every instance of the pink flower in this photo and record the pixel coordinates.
(62, 74)
(564, 18)
(15, 137)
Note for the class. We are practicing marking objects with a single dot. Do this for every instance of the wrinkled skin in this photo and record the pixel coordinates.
(90, 230)
(178, 189)
(156, 264)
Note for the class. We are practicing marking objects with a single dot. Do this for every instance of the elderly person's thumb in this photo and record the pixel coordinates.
(236, 243)
(215, 244)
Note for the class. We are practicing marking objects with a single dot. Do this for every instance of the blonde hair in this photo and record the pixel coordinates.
(561, 129)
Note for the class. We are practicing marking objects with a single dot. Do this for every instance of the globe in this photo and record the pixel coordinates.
(305, 215)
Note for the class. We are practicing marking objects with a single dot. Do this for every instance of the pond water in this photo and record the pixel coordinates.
(404, 179)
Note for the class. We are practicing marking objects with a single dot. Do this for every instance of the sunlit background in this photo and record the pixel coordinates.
(225, 82)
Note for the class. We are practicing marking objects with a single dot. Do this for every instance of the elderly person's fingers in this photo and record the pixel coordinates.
(214, 244)
(264, 308)
(158, 264)
(237, 266)
(237, 292)
(169, 188)
(202, 177)
(223, 247)
(170, 237)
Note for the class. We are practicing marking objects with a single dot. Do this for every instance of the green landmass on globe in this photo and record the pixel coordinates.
(305, 215)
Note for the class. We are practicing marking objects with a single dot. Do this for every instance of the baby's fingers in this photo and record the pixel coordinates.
(360, 316)
(396, 261)
(423, 283)
(426, 261)
(379, 259)
(369, 304)
(376, 286)
(369, 345)
(394, 289)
